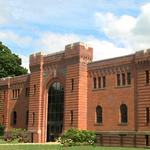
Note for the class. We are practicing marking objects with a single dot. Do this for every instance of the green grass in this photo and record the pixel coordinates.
(58, 147)
(4, 142)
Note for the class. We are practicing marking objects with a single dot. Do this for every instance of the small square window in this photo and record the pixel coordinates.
(95, 83)
(123, 79)
(147, 76)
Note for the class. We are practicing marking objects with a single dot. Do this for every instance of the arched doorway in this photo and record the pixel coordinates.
(55, 111)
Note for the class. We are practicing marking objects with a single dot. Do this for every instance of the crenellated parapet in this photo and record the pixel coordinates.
(142, 58)
(35, 61)
(10, 82)
(79, 49)
(4, 82)
(54, 57)
(110, 70)
(111, 66)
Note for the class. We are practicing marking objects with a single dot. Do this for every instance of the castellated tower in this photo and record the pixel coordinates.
(35, 100)
(69, 68)
(77, 56)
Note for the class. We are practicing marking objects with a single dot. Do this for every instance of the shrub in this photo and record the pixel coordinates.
(2, 128)
(21, 135)
(74, 136)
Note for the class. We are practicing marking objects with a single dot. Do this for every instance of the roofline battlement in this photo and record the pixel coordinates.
(78, 49)
(144, 52)
(70, 46)
(54, 54)
(15, 79)
(37, 54)
(5, 78)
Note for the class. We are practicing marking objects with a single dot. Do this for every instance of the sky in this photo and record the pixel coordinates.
(112, 27)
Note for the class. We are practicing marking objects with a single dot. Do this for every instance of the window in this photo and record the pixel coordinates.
(147, 140)
(147, 115)
(72, 84)
(4, 94)
(123, 79)
(99, 82)
(27, 117)
(98, 114)
(33, 118)
(118, 80)
(94, 81)
(2, 120)
(14, 118)
(71, 117)
(16, 93)
(104, 81)
(27, 91)
(128, 78)
(147, 76)
(34, 89)
(18, 90)
(124, 113)
(13, 93)
(55, 117)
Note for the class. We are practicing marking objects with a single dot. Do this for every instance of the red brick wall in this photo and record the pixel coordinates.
(76, 99)
(143, 89)
(111, 97)
(20, 104)
(75, 63)
(35, 100)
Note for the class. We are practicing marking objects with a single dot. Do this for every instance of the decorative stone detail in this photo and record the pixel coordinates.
(109, 70)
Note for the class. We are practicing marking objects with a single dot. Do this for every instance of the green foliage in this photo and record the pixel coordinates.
(2, 128)
(77, 137)
(21, 135)
(10, 64)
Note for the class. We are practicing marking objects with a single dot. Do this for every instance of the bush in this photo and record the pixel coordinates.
(2, 128)
(77, 137)
(21, 135)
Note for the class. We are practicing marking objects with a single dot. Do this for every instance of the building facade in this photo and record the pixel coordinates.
(67, 89)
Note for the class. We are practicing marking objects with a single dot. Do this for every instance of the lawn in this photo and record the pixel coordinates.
(58, 147)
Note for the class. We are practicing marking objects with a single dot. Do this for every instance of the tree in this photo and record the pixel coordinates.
(10, 64)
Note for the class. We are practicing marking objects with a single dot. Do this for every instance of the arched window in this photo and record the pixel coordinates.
(55, 117)
(124, 113)
(99, 118)
(14, 118)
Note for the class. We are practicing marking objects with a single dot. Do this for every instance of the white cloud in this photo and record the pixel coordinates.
(53, 42)
(25, 61)
(133, 32)
(50, 42)
(102, 49)
(114, 25)
(21, 41)
(4, 13)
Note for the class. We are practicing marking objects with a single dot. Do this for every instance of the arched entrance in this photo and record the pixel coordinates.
(55, 111)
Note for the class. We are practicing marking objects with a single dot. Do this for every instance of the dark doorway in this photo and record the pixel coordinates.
(147, 140)
(55, 111)
(32, 140)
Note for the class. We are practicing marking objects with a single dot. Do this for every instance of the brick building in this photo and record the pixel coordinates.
(67, 89)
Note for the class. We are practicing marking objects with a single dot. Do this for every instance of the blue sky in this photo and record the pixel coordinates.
(111, 27)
